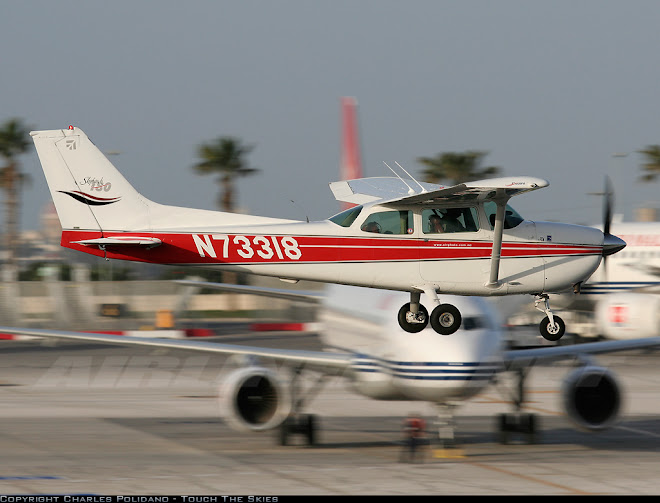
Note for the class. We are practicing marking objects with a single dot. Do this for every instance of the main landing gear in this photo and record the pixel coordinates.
(413, 316)
(518, 423)
(552, 327)
(298, 423)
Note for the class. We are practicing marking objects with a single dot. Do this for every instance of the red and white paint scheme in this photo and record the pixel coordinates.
(401, 235)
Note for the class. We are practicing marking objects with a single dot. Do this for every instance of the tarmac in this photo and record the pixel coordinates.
(111, 420)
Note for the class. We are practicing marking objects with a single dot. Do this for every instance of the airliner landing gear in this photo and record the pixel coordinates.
(445, 424)
(552, 327)
(518, 423)
(300, 424)
(297, 423)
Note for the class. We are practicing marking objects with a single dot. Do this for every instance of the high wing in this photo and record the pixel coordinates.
(390, 190)
(523, 358)
(326, 362)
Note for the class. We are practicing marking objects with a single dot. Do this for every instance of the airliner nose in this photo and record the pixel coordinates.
(612, 244)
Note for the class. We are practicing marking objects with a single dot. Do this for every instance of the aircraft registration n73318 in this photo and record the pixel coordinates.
(399, 235)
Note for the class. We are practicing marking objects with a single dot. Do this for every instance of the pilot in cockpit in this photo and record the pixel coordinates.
(371, 227)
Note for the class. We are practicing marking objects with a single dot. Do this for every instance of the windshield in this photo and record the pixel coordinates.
(511, 217)
(346, 218)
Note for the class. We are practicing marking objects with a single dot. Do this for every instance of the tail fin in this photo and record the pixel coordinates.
(88, 191)
(351, 164)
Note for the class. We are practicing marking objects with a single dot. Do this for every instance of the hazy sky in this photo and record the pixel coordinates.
(549, 88)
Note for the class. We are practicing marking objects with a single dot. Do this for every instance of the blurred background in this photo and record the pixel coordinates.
(174, 93)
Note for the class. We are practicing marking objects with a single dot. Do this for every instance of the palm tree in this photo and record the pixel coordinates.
(456, 167)
(14, 140)
(651, 168)
(226, 158)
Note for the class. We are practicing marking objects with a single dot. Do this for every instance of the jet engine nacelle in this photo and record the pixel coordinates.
(592, 397)
(254, 398)
(628, 315)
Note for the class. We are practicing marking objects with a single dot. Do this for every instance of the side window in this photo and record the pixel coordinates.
(443, 220)
(389, 222)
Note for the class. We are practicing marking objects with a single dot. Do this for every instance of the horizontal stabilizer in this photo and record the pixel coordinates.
(121, 241)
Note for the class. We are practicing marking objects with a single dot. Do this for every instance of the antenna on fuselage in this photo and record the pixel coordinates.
(411, 191)
(304, 210)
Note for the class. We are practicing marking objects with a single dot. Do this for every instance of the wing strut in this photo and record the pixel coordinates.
(496, 254)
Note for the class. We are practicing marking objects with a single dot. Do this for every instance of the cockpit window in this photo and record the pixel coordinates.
(511, 217)
(347, 217)
(443, 220)
(389, 222)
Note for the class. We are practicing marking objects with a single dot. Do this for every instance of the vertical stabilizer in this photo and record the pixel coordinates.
(351, 163)
(88, 191)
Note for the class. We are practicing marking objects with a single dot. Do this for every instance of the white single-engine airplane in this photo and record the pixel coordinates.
(270, 389)
(413, 237)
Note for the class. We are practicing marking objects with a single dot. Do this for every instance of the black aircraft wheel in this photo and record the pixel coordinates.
(283, 433)
(445, 319)
(502, 429)
(311, 429)
(517, 425)
(552, 332)
(412, 327)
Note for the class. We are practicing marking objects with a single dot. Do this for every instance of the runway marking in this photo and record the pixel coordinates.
(453, 453)
(536, 480)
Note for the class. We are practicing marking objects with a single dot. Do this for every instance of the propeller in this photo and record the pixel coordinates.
(608, 204)
(611, 244)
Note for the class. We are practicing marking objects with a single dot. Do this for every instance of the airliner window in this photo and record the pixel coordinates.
(511, 217)
(444, 220)
(389, 222)
(346, 218)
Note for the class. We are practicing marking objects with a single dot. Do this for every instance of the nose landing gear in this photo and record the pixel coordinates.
(552, 327)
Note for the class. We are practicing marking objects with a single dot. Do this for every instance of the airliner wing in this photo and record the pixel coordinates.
(522, 358)
(397, 191)
(326, 362)
(650, 269)
(313, 297)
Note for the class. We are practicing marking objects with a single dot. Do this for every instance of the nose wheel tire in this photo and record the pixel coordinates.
(552, 332)
(445, 319)
(413, 322)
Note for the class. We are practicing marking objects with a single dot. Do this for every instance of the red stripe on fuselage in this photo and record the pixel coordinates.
(250, 249)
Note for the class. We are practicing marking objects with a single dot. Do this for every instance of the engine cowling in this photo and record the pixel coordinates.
(628, 315)
(254, 398)
(592, 397)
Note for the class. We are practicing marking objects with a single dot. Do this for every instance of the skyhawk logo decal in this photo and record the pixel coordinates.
(89, 199)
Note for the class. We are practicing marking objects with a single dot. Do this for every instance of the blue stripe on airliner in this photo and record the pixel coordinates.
(615, 286)
(446, 371)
